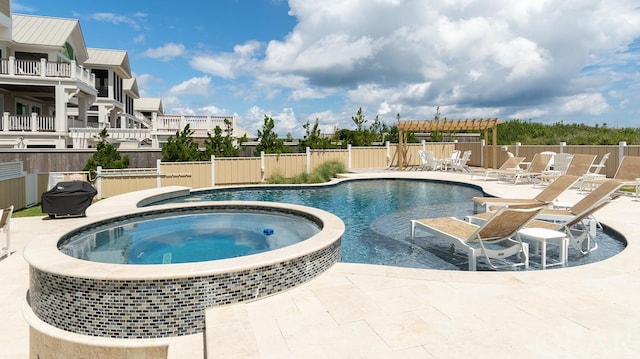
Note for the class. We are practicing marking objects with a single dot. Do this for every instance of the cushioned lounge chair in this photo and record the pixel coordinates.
(511, 164)
(545, 197)
(497, 238)
(539, 164)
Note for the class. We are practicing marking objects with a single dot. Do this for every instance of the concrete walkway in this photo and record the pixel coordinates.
(367, 311)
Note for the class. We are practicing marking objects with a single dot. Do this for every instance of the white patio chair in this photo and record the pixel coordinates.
(5, 220)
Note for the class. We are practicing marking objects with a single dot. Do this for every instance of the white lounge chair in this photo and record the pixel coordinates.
(545, 197)
(573, 220)
(539, 164)
(511, 164)
(497, 238)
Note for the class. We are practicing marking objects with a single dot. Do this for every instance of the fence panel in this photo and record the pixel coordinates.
(119, 184)
(190, 174)
(318, 157)
(368, 157)
(237, 170)
(287, 165)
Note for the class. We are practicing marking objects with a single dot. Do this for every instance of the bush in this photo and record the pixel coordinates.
(323, 173)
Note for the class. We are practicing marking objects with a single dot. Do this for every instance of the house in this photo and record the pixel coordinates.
(55, 92)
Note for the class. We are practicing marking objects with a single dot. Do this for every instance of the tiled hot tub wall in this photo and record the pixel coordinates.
(161, 307)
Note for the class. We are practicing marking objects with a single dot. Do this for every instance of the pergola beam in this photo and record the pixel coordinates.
(480, 124)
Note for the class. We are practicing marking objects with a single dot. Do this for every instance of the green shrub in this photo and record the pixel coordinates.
(323, 173)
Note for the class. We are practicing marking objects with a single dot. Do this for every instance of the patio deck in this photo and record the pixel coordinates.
(368, 311)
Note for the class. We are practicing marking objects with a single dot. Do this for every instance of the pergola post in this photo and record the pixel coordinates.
(448, 125)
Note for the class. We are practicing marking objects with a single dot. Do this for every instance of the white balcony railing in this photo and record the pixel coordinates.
(28, 123)
(46, 69)
(196, 123)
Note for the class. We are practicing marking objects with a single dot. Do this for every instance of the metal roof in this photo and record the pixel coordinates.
(148, 104)
(117, 60)
(48, 31)
(131, 85)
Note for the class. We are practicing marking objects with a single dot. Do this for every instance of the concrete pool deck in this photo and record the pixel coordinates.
(368, 311)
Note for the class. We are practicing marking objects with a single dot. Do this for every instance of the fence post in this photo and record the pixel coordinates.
(388, 145)
(213, 170)
(262, 169)
(99, 181)
(158, 174)
(308, 151)
(518, 144)
(482, 164)
(621, 147)
(349, 157)
(562, 146)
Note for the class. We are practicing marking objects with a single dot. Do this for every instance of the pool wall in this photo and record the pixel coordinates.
(158, 301)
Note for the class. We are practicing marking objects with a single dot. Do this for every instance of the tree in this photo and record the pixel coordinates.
(359, 120)
(221, 146)
(269, 141)
(182, 148)
(106, 155)
(378, 128)
(312, 138)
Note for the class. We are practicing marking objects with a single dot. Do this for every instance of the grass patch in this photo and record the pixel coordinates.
(323, 173)
(35, 211)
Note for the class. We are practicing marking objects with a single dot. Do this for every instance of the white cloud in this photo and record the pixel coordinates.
(592, 104)
(165, 52)
(229, 65)
(193, 86)
(117, 19)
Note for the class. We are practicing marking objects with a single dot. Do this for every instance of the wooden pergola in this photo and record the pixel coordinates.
(482, 124)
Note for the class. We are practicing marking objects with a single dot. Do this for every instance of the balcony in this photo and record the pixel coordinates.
(46, 70)
(27, 123)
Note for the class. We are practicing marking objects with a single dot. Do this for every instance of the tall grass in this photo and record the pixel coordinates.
(323, 173)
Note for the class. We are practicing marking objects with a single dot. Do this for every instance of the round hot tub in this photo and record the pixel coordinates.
(152, 273)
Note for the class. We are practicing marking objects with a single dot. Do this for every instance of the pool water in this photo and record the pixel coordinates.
(377, 216)
(189, 237)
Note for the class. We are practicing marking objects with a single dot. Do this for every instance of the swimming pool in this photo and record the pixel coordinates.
(377, 212)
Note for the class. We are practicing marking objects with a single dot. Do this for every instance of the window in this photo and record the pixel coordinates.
(102, 82)
(21, 109)
(68, 51)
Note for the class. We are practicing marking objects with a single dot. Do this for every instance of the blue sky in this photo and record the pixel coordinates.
(540, 60)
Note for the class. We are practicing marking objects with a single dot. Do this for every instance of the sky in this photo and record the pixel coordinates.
(575, 61)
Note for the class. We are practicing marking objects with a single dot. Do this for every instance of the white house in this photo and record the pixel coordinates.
(57, 93)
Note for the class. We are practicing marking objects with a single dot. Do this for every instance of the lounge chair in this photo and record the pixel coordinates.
(539, 164)
(578, 166)
(580, 236)
(628, 172)
(5, 220)
(597, 168)
(511, 164)
(545, 197)
(580, 210)
(497, 238)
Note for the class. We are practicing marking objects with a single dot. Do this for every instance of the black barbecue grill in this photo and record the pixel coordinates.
(68, 199)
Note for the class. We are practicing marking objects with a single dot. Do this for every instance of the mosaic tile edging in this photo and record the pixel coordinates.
(161, 307)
